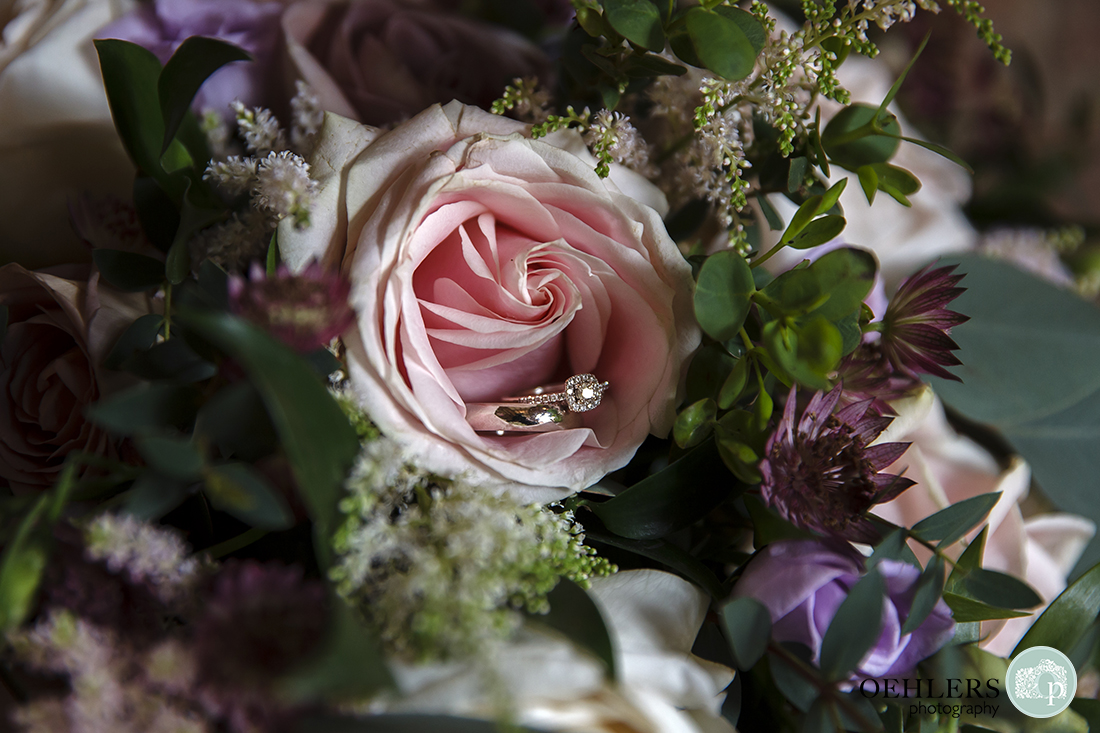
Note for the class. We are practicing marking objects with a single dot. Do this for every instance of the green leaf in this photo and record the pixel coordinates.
(575, 614)
(790, 679)
(236, 421)
(144, 407)
(638, 21)
(176, 458)
(929, 588)
(192, 63)
(940, 150)
(894, 546)
(196, 213)
(273, 254)
(775, 221)
(967, 610)
(999, 589)
(650, 65)
(830, 198)
(971, 559)
(138, 336)
(1068, 617)
(669, 500)
(819, 718)
(21, 569)
(1029, 357)
(172, 359)
(130, 75)
(241, 490)
(796, 174)
(948, 525)
(748, 628)
(819, 231)
(668, 555)
(735, 383)
(896, 87)
(153, 495)
(694, 423)
(128, 271)
(157, 212)
(1086, 708)
(803, 216)
(722, 294)
(769, 527)
(850, 142)
(320, 442)
(868, 180)
(726, 40)
(348, 666)
(855, 628)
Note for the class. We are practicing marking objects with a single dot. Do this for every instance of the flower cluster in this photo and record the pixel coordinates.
(442, 567)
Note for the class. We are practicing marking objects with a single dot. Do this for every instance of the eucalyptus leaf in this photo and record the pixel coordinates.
(1029, 353)
(725, 40)
(671, 499)
(948, 525)
(575, 614)
(790, 679)
(868, 181)
(855, 628)
(850, 142)
(1068, 617)
(735, 383)
(241, 490)
(819, 718)
(638, 21)
(748, 625)
(722, 294)
(191, 64)
(320, 442)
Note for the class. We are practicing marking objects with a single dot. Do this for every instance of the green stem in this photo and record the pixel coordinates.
(767, 255)
(167, 311)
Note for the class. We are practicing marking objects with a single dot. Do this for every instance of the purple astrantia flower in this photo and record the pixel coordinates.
(916, 324)
(803, 582)
(305, 311)
(822, 474)
(162, 25)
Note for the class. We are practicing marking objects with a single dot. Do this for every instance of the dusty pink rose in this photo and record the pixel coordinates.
(484, 264)
(382, 61)
(949, 468)
(59, 330)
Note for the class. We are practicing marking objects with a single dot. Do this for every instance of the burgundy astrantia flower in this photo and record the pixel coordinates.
(821, 474)
(916, 324)
(305, 311)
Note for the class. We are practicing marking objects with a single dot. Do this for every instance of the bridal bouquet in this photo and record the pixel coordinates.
(604, 365)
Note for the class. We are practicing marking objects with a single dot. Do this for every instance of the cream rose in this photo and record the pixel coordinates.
(484, 264)
(949, 468)
(59, 330)
(653, 618)
(56, 134)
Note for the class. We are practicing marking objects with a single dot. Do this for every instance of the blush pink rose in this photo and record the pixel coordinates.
(484, 264)
(382, 61)
(59, 330)
(949, 468)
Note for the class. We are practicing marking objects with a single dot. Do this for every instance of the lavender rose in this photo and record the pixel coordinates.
(803, 582)
(162, 25)
(381, 61)
(59, 329)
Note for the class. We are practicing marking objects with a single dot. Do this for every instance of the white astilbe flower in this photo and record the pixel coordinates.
(236, 243)
(442, 567)
(307, 117)
(110, 687)
(259, 129)
(283, 187)
(612, 137)
(234, 175)
(147, 553)
(217, 133)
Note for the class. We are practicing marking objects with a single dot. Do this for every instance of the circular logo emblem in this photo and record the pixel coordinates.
(1041, 682)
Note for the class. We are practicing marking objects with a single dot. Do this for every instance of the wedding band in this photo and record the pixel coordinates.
(545, 409)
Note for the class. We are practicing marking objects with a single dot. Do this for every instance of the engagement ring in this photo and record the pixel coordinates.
(553, 407)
